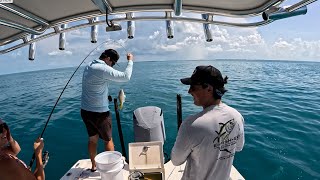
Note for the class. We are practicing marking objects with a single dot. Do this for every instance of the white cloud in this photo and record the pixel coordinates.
(219, 35)
(150, 42)
(169, 47)
(60, 53)
(155, 35)
(16, 54)
(275, 41)
(78, 33)
(295, 49)
(188, 43)
(282, 45)
(217, 48)
(118, 16)
(241, 50)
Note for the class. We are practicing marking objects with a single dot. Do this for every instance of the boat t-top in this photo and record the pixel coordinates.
(24, 23)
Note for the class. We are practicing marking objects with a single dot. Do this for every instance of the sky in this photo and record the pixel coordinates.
(292, 39)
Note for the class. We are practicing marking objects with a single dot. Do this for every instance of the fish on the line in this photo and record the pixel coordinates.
(122, 98)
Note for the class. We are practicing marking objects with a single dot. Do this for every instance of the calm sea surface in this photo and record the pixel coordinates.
(280, 102)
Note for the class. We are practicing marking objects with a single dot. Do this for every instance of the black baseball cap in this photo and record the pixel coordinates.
(112, 54)
(205, 75)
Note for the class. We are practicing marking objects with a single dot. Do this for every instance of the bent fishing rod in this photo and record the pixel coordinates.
(45, 126)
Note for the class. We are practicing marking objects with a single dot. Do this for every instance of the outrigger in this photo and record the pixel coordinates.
(23, 23)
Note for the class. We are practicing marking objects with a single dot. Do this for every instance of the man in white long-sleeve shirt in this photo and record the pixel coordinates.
(94, 100)
(209, 139)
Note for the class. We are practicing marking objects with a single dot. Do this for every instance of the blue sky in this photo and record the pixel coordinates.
(294, 39)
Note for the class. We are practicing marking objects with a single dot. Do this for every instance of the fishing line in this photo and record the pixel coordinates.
(33, 156)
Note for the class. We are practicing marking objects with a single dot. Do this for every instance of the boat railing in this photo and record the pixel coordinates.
(269, 11)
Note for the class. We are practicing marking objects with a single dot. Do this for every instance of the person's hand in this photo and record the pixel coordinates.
(6, 129)
(38, 145)
(109, 98)
(130, 57)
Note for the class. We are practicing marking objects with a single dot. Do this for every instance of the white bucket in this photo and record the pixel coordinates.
(110, 165)
(115, 174)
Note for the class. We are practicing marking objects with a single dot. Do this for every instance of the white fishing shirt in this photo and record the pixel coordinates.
(95, 82)
(208, 142)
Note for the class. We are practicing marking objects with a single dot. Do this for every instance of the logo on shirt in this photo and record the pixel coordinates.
(223, 142)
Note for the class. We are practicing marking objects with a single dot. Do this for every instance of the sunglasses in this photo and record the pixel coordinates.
(113, 62)
(3, 125)
(194, 87)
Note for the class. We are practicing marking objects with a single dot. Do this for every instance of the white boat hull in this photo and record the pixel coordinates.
(81, 170)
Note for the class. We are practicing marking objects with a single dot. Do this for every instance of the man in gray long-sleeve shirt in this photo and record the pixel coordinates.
(94, 100)
(209, 139)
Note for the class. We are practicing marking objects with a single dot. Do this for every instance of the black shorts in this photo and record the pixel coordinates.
(98, 123)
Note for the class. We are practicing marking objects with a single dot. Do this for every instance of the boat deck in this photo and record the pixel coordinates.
(81, 170)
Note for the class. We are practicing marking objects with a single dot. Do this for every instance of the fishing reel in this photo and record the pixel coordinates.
(136, 175)
(45, 158)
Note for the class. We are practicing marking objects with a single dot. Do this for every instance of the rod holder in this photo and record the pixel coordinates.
(32, 49)
(62, 38)
(94, 31)
(170, 32)
(169, 26)
(206, 28)
(130, 26)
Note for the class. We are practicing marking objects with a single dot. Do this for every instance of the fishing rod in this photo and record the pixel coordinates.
(120, 130)
(33, 156)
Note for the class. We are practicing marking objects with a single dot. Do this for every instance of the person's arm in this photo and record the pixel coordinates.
(240, 142)
(10, 169)
(39, 171)
(118, 76)
(182, 147)
(13, 146)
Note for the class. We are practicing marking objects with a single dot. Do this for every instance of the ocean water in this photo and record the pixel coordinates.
(280, 102)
